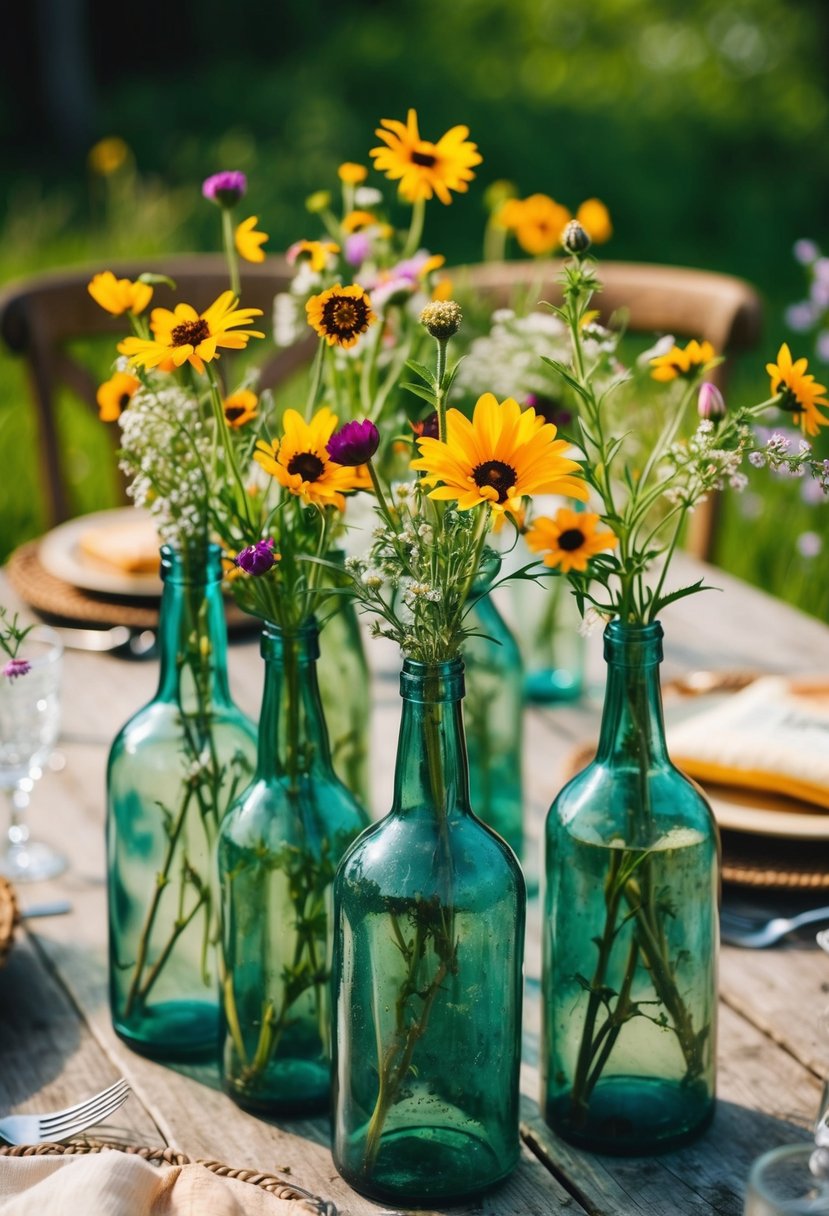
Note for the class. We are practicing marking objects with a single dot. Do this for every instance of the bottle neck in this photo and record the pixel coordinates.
(192, 628)
(293, 739)
(432, 773)
(633, 730)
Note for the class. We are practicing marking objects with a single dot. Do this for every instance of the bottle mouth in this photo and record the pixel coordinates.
(633, 645)
(276, 642)
(195, 563)
(429, 683)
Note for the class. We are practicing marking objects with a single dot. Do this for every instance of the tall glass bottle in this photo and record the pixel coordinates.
(278, 849)
(493, 715)
(173, 770)
(631, 929)
(429, 908)
(345, 688)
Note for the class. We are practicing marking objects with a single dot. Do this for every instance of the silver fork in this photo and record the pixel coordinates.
(61, 1124)
(757, 932)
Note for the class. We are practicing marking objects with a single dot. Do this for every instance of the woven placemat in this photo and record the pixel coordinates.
(9, 916)
(171, 1156)
(62, 603)
(752, 860)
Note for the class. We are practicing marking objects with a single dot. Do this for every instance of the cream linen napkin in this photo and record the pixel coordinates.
(113, 1183)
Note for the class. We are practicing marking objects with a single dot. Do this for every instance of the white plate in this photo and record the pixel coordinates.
(757, 812)
(60, 553)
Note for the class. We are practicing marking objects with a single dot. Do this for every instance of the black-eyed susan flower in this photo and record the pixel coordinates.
(186, 336)
(119, 295)
(352, 174)
(594, 218)
(423, 168)
(248, 241)
(115, 394)
(340, 314)
(499, 457)
(300, 461)
(356, 221)
(317, 254)
(686, 363)
(799, 392)
(240, 407)
(569, 539)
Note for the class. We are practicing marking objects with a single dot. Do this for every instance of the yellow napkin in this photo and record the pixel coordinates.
(771, 736)
(112, 1183)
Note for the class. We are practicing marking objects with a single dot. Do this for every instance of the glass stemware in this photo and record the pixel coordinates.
(783, 1183)
(29, 725)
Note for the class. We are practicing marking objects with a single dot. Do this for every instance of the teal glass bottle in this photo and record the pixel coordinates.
(631, 930)
(429, 910)
(493, 715)
(173, 770)
(345, 688)
(279, 846)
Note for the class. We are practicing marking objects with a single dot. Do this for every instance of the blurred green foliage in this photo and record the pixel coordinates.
(699, 122)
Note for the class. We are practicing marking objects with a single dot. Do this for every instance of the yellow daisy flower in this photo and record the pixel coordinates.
(355, 221)
(316, 253)
(108, 155)
(800, 393)
(340, 314)
(352, 174)
(594, 218)
(115, 394)
(502, 455)
(249, 242)
(119, 295)
(240, 407)
(185, 336)
(686, 363)
(421, 167)
(569, 539)
(537, 221)
(300, 461)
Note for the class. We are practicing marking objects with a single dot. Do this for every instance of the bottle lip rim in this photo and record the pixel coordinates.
(174, 567)
(636, 630)
(446, 667)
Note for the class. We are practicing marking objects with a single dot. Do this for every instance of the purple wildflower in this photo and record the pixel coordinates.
(225, 189)
(428, 427)
(806, 252)
(809, 544)
(258, 558)
(710, 402)
(357, 248)
(354, 444)
(17, 667)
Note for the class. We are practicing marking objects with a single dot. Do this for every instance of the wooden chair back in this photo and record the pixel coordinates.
(656, 299)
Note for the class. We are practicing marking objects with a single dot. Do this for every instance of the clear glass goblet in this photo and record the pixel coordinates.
(29, 725)
(783, 1182)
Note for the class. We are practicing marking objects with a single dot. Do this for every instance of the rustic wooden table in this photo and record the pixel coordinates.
(57, 1044)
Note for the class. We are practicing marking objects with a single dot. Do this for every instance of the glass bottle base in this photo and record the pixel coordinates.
(434, 1164)
(178, 1031)
(634, 1116)
(300, 1087)
(550, 685)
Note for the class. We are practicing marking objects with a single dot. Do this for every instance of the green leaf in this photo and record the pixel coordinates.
(420, 369)
(680, 594)
(567, 377)
(420, 391)
(148, 277)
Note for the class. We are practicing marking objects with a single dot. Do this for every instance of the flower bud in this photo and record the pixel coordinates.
(319, 201)
(16, 667)
(710, 402)
(442, 318)
(258, 558)
(225, 189)
(354, 444)
(574, 239)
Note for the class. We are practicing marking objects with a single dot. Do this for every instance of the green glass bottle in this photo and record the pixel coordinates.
(278, 849)
(345, 688)
(173, 770)
(429, 909)
(631, 929)
(493, 715)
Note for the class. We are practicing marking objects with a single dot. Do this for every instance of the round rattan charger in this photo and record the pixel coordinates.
(277, 1187)
(60, 602)
(9, 917)
(748, 860)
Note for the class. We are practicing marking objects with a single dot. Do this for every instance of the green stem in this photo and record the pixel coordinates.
(230, 252)
(316, 380)
(415, 228)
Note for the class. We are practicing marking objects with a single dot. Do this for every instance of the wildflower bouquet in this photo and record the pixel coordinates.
(12, 636)
(631, 890)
